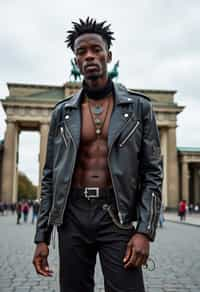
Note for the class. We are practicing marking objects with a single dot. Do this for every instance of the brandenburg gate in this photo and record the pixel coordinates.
(28, 108)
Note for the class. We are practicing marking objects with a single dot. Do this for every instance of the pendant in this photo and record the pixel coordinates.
(97, 109)
(98, 131)
(98, 122)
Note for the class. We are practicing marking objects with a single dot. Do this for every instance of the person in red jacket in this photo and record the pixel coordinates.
(182, 210)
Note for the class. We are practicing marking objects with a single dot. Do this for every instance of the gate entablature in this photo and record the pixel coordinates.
(29, 107)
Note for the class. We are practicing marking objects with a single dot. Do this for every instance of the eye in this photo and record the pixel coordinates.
(97, 49)
(80, 51)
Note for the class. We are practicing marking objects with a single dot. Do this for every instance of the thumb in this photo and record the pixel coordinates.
(127, 253)
(46, 267)
(45, 263)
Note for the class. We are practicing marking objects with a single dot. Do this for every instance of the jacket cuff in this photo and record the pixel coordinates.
(143, 229)
(42, 236)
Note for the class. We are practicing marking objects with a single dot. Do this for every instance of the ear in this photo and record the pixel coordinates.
(109, 57)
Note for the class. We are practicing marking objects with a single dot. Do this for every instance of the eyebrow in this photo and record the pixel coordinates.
(82, 46)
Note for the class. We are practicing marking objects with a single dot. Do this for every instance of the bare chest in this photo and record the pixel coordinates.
(95, 120)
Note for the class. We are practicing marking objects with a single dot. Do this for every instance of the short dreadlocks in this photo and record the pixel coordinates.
(89, 26)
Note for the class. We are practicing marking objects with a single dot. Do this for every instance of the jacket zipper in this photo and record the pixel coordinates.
(66, 198)
(63, 135)
(117, 201)
(129, 135)
(65, 141)
(153, 212)
(54, 237)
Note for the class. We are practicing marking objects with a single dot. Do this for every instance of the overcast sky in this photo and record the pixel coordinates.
(157, 43)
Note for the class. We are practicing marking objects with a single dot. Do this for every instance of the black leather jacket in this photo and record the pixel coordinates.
(134, 162)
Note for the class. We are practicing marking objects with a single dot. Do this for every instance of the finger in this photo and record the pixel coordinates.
(39, 267)
(45, 266)
(145, 259)
(131, 259)
(140, 259)
(127, 253)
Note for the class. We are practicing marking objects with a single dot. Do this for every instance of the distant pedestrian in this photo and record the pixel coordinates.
(196, 208)
(25, 210)
(5, 208)
(161, 217)
(182, 210)
(191, 208)
(18, 211)
(35, 210)
(1, 208)
(12, 208)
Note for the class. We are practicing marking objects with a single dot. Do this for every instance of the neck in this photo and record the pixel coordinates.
(98, 92)
(96, 84)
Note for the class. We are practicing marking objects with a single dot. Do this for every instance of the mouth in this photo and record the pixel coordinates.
(91, 67)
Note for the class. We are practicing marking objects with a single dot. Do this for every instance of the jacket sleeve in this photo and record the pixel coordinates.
(150, 175)
(43, 230)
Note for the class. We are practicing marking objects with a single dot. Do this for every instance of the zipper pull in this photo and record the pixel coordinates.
(129, 135)
(63, 135)
(54, 237)
(120, 218)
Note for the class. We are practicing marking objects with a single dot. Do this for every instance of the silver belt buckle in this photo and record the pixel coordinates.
(88, 192)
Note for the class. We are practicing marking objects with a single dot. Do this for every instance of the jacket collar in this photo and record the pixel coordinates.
(121, 94)
(74, 101)
(117, 122)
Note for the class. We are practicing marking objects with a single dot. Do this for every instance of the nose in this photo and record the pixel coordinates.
(89, 55)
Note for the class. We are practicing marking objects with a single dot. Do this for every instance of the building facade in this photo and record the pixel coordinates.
(28, 108)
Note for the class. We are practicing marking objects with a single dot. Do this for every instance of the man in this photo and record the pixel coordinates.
(102, 172)
(19, 211)
(182, 210)
(35, 210)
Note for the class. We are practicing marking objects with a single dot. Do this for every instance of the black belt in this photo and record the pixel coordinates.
(95, 193)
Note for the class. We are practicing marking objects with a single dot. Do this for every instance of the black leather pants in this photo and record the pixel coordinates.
(87, 229)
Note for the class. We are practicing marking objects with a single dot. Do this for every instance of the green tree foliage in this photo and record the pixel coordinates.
(26, 189)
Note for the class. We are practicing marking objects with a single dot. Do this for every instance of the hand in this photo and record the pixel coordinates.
(40, 260)
(137, 251)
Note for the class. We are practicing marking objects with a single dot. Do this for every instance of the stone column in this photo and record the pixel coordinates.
(9, 167)
(172, 171)
(196, 185)
(163, 142)
(185, 181)
(44, 129)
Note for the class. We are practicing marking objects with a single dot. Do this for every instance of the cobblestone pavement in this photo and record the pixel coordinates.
(176, 253)
(192, 219)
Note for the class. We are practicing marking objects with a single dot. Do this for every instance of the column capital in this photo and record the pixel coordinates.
(45, 123)
(10, 121)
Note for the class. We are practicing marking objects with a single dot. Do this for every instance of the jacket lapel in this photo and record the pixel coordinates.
(72, 117)
(122, 113)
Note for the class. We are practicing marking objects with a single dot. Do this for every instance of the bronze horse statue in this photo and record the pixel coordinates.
(75, 72)
(77, 76)
(114, 72)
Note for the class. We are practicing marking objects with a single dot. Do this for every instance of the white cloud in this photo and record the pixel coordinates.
(157, 43)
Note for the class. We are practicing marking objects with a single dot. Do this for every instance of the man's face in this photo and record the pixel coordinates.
(92, 56)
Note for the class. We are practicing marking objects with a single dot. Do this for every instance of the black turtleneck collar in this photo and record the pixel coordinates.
(98, 93)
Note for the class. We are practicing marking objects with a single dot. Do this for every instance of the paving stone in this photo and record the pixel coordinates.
(177, 265)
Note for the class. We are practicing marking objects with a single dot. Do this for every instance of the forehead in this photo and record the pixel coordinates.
(89, 39)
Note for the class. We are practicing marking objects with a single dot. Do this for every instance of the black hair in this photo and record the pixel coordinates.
(90, 25)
